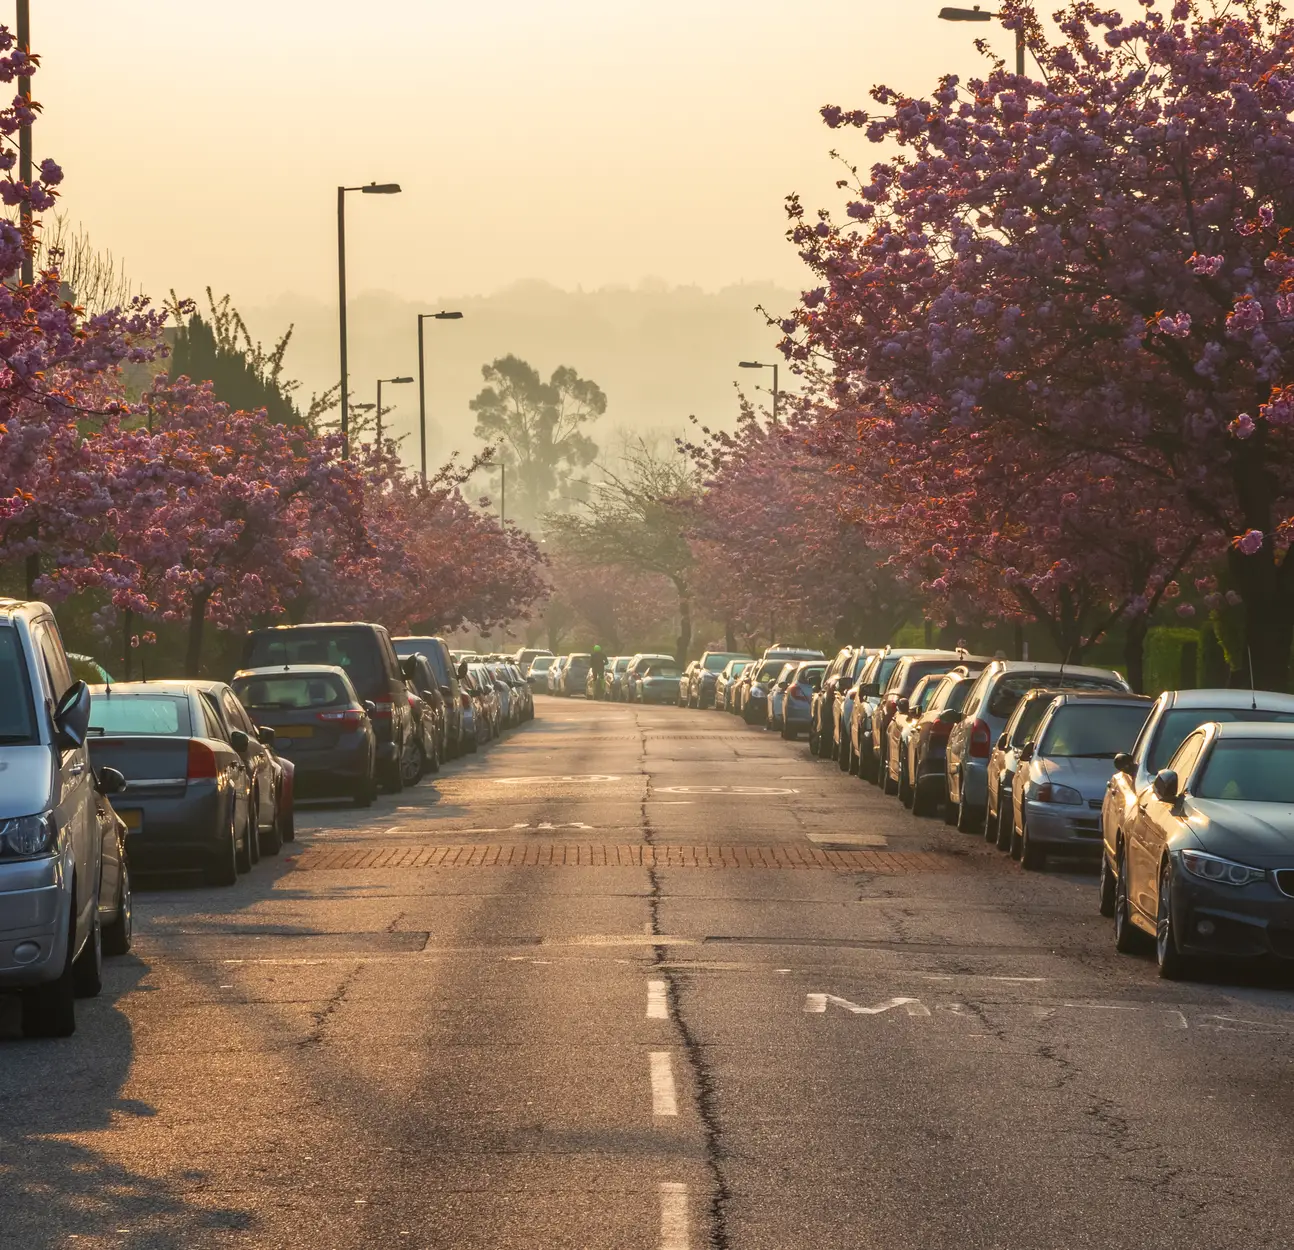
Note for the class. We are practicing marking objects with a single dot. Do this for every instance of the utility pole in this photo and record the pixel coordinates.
(24, 146)
(422, 384)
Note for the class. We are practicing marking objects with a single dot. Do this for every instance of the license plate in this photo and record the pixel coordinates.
(295, 731)
(132, 818)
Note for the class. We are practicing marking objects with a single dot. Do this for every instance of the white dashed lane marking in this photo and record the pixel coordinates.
(664, 1101)
(657, 1002)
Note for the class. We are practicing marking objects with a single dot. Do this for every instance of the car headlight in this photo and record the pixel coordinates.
(28, 835)
(1050, 792)
(1220, 871)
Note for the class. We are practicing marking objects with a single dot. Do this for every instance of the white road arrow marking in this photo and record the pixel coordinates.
(817, 1003)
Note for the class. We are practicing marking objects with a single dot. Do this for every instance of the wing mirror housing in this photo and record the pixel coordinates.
(72, 716)
(950, 716)
(1002, 743)
(370, 707)
(239, 740)
(110, 781)
(1026, 752)
(869, 689)
(1166, 785)
(265, 735)
(902, 706)
(1124, 763)
(409, 667)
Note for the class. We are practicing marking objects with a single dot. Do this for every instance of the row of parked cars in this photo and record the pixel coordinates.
(646, 677)
(198, 777)
(1186, 802)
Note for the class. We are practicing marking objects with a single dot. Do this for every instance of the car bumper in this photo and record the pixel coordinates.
(335, 770)
(1252, 922)
(34, 920)
(1063, 825)
(179, 833)
(974, 785)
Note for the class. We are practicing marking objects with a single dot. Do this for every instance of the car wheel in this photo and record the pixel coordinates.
(866, 761)
(413, 763)
(87, 972)
(1003, 827)
(243, 859)
(364, 793)
(905, 785)
(1126, 938)
(1173, 965)
(965, 813)
(842, 757)
(1033, 857)
(815, 741)
(433, 760)
(1105, 886)
(118, 935)
(272, 840)
(253, 830)
(787, 734)
(49, 1010)
(991, 821)
(888, 784)
(225, 869)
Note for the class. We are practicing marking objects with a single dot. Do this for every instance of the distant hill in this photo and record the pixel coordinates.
(659, 352)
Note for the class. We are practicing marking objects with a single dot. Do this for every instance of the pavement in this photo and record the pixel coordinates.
(646, 978)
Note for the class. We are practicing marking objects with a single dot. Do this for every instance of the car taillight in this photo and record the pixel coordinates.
(347, 718)
(202, 761)
(981, 741)
(940, 729)
(413, 700)
(382, 709)
(465, 699)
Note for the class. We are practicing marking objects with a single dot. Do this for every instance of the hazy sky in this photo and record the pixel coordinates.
(585, 143)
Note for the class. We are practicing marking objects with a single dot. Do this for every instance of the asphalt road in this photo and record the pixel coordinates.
(646, 978)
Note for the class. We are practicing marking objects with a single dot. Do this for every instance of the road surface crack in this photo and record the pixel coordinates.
(325, 1013)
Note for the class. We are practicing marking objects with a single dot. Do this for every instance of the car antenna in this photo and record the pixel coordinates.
(1253, 692)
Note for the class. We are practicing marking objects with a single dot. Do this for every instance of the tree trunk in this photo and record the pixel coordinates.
(1268, 593)
(684, 624)
(197, 624)
(1134, 653)
(127, 659)
(32, 573)
(729, 636)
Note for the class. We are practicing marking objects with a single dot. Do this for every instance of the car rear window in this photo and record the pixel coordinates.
(291, 692)
(1179, 722)
(811, 677)
(355, 650)
(17, 711)
(718, 661)
(1250, 770)
(662, 670)
(769, 669)
(541, 663)
(884, 670)
(1092, 731)
(923, 668)
(129, 715)
(1010, 689)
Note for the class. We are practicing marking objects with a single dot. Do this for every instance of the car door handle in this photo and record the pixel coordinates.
(76, 770)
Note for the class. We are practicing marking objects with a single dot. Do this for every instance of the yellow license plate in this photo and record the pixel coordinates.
(295, 731)
(132, 818)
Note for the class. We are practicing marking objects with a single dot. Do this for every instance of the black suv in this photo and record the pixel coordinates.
(365, 652)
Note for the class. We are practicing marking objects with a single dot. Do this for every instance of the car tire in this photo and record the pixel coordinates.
(866, 762)
(1105, 886)
(87, 971)
(253, 831)
(991, 822)
(272, 839)
(1127, 938)
(1173, 965)
(243, 858)
(1003, 828)
(49, 1010)
(842, 757)
(787, 734)
(364, 793)
(226, 867)
(888, 784)
(905, 784)
(922, 802)
(413, 763)
(118, 936)
(965, 814)
(1033, 856)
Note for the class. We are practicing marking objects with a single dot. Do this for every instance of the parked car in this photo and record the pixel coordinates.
(1206, 864)
(187, 798)
(988, 706)
(659, 682)
(929, 740)
(685, 682)
(528, 655)
(709, 666)
(842, 714)
(367, 655)
(799, 696)
(489, 710)
(1064, 772)
(781, 651)
(777, 694)
(840, 674)
(433, 716)
(445, 669)
(264, 775)
(554, 677)
(634, 671)
(1175, 715)
(724, 683)
(64, 883)
(908, 710)
(902, 681)
(538, 670)
(1004, 762)
(617, 665)
(575, 673)
(321, 726)
(754, 686)
(857, 753)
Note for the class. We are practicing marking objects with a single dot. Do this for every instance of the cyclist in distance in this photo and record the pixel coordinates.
(599, 665)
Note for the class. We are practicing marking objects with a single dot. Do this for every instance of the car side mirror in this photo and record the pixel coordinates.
(1165, 784)
(409, 667)
(239, 740)
(1002, 743)
(370, 707)
(1124, 763)
(869, 689)
(446, 691)
(462, 671)
(950, 716)
(265, 735)
(72, 716)
(902, 706)
(1026, 752)
(110, 781)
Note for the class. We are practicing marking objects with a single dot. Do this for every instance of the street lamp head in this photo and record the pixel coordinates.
(363, 407)
(448, 316)
(381, 188)
(966, 15)
(399, 379)
(751, 364)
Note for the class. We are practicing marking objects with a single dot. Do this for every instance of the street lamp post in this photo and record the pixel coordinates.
(755, 364)
(503, 486)
(377, 441)
(422, 384)
(24, 146)
(977, 14)
(373, 188)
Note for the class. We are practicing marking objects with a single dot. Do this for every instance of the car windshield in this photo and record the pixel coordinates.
(811, 677)
(291, 692)
(17, 711)
(769, 669)
(718, 662)
(1250, 770)
(1181, 721)
(884, 668)
(1092, 730)
(129, 715)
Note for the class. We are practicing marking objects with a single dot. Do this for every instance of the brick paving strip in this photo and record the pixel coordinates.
(637, 855)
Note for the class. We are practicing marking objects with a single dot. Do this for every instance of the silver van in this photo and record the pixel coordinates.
(55, 823)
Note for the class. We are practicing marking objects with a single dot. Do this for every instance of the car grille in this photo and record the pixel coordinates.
(1285, 881)
(1096, 803)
